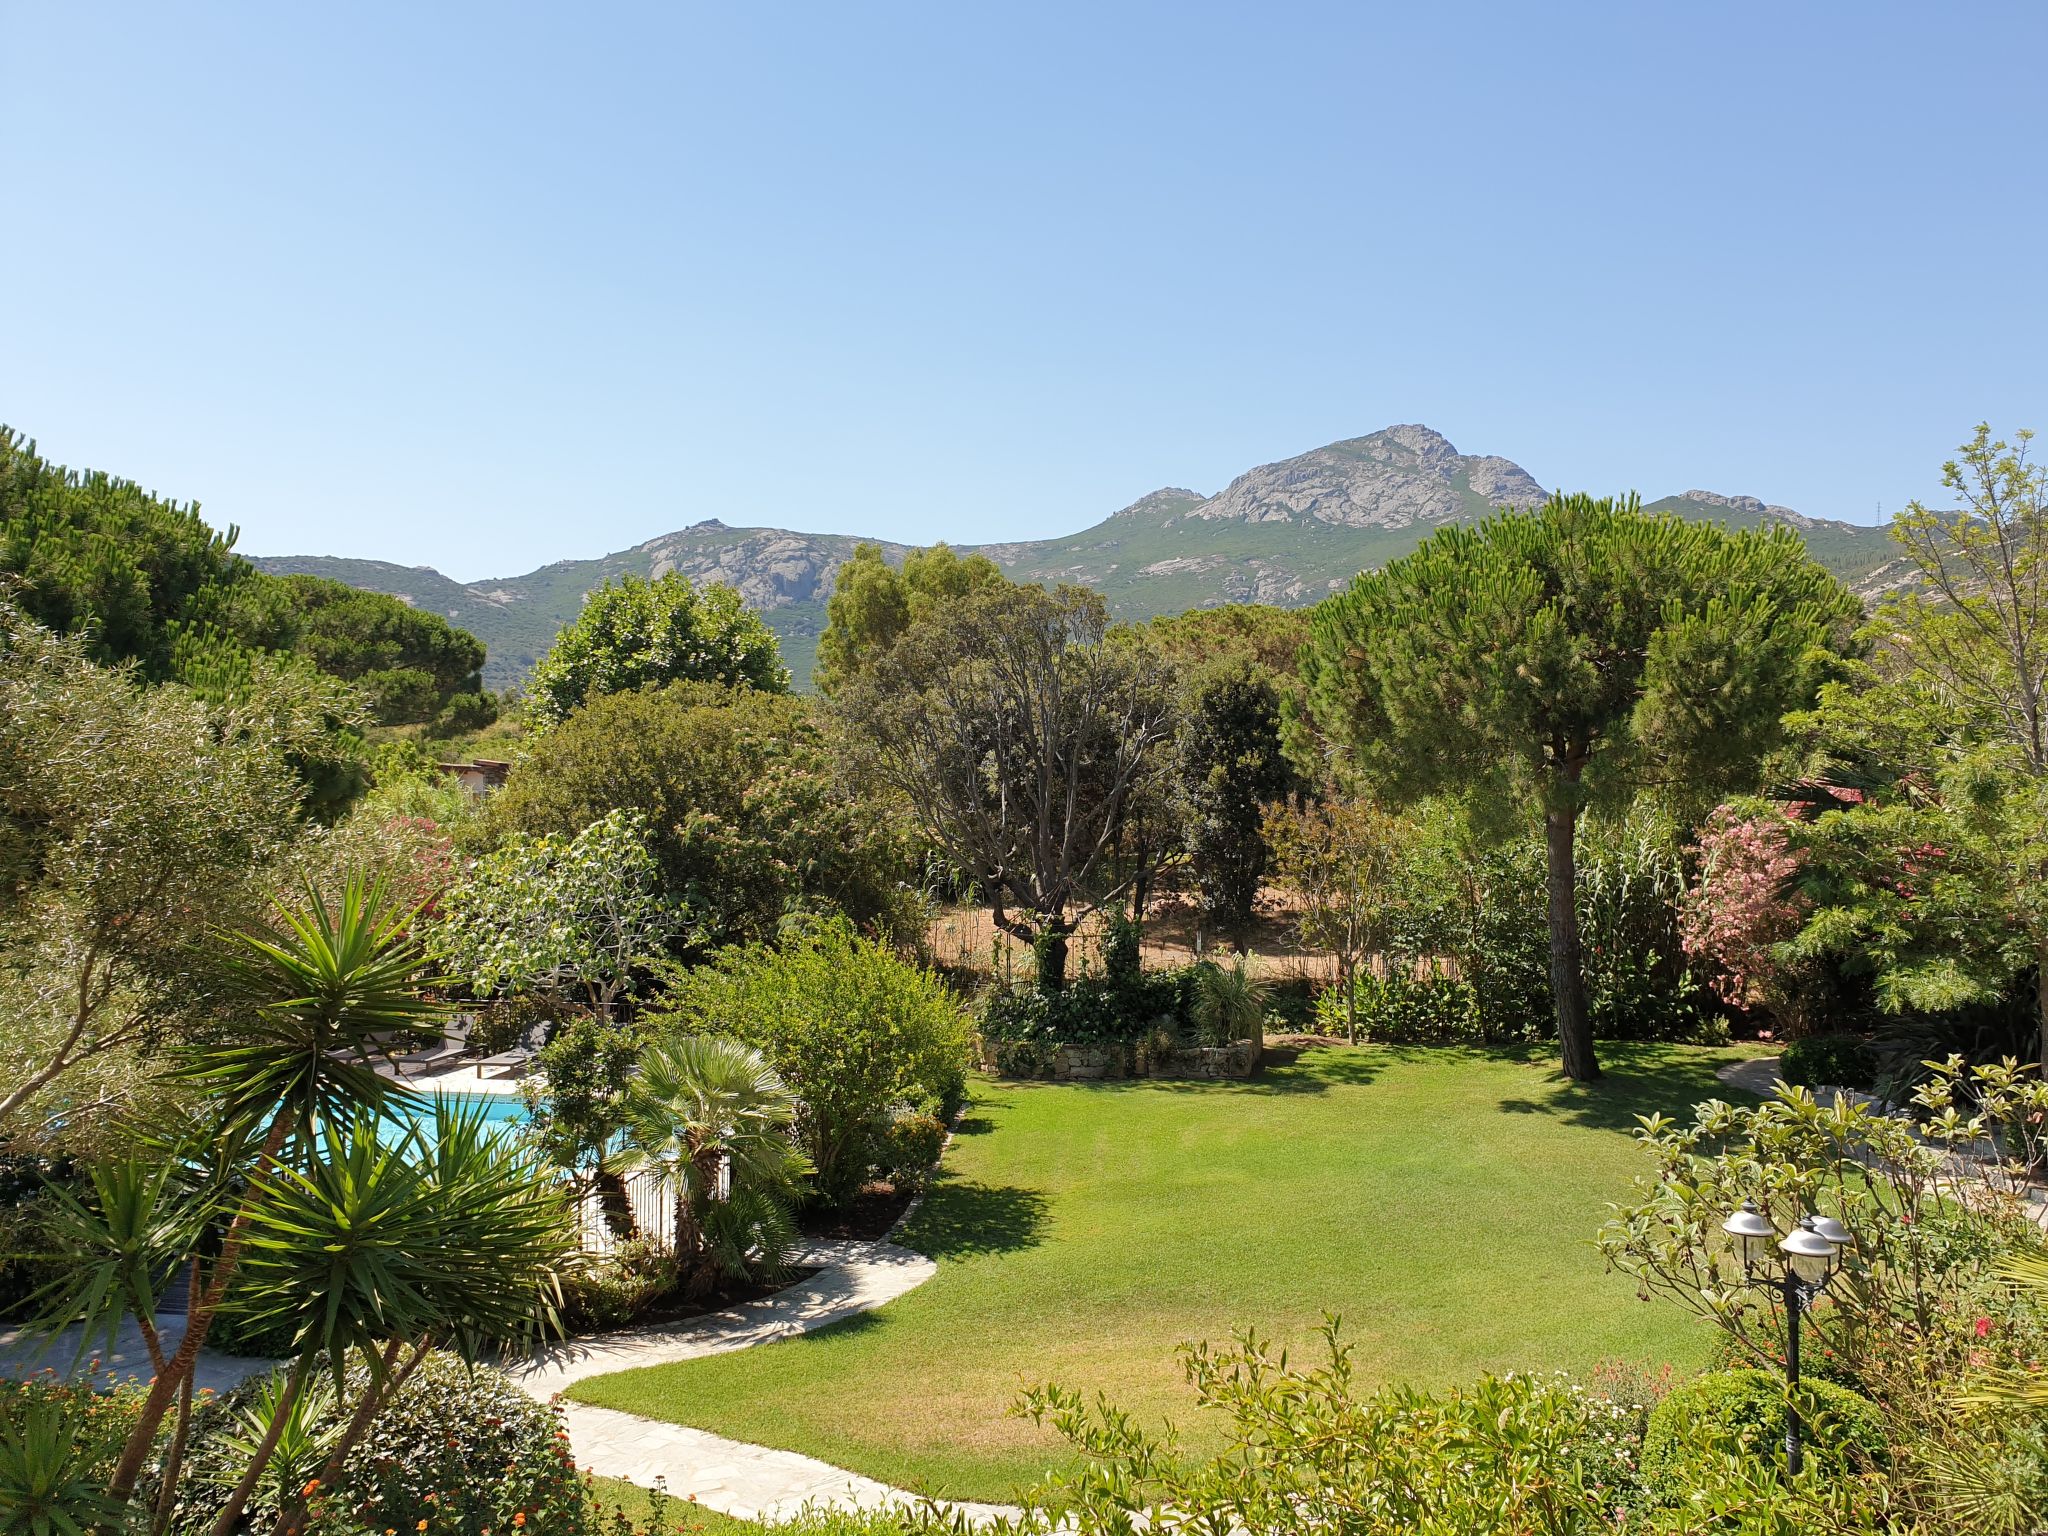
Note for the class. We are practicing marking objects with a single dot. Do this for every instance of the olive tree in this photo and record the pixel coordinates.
(133, 823)
(1020, 739)
(1577, 651)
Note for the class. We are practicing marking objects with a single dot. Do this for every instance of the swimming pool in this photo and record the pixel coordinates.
(501, 1111)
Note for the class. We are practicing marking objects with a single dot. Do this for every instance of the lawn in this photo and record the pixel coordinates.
(1442, 1201)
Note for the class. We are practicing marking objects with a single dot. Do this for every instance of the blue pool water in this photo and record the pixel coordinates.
(502, 1111)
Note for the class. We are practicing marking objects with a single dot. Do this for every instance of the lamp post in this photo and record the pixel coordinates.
(1806, 1260)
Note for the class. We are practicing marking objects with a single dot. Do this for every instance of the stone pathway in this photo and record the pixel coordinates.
(25, 1354)
(1759, 1077)
(731, 1476)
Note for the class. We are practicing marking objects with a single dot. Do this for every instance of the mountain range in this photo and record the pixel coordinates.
(1288, 533)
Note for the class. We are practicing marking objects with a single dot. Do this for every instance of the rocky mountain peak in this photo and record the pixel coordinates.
(1397, 477)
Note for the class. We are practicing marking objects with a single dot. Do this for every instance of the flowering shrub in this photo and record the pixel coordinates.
(549, 914)
(1743, 905)
(1311, 1450)
(58, 1441)
(457, 1453)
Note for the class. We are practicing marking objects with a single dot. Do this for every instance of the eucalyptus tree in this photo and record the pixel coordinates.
(1577, 652)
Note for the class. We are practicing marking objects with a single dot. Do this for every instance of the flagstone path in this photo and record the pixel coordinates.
(731, 1476)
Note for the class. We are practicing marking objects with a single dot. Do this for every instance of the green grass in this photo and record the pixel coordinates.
(673, 1517)
(1443, 1201)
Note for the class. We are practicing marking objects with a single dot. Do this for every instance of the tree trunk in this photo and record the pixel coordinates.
(2041, 998)
(1351, 1002)
(1051, 953)
(164, 1388)
(1567, 978)
(230, 1514)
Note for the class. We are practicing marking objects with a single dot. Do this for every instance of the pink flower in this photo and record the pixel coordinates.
(1983, 1327)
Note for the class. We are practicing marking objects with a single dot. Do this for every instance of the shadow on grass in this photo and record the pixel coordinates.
(1635, 1080)
(1284, 1071)
(962, 1218)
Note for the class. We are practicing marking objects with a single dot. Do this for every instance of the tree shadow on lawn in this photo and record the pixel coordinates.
(1280, 1073)
(964, 1218)
(1635, 1080)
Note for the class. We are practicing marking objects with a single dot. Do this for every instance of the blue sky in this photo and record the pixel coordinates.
(483, 287)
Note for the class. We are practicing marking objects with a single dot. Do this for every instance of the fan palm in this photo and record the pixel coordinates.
(700, 1101)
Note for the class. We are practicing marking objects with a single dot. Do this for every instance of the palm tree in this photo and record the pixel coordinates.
(701, 1105)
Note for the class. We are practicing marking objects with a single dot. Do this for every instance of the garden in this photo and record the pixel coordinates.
(1465, 1222)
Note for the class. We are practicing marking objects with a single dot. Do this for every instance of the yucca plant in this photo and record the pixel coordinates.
(50, 1484)
(320, 995)
(1229, 1003)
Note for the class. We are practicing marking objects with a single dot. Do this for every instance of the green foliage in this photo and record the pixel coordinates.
(1561, 657)
(1829, 1061)
(1266, 639)
(316, 997)
(857, 1034)
(57, 1443)
(1310, 1449)
(637, 634)
(1742, 1413)
(910, 1149)
(1917, 1309)
(700, 1103)
(1230, 768)
(463, 712)
(750, 811)
(462, 1448)
(1228, 1004)
(607, 1292)
(574, 1091)
(556, 915)
(447, 1231)
(131, 824)
(1022, 743)
(872, 604)
(102, 559)
(411, 662)
(141, 579)
(1122, 1006)
(1975, 633)
(1460, 939)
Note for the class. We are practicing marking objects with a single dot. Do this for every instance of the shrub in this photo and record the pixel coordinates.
(1227, 1004)
(58, 1443)
(1311, 1449)
(611, 1290)
(911, 1149)
(465, 1448)
(1742, 1413)
(1406, 1010)
(856, 1033)
(1829, 1061)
